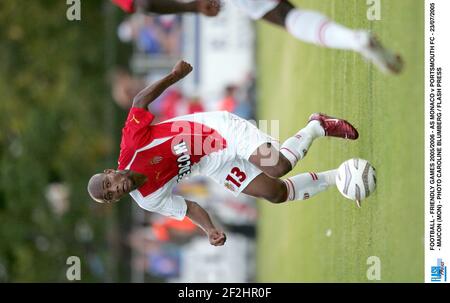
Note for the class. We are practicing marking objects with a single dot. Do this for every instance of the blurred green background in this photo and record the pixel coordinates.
(58, 125)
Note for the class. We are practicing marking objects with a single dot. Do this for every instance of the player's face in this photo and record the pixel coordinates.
(116, 184)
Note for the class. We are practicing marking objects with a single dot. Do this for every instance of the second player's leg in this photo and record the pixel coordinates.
(206, 7)
(314, 27)
(279, 14)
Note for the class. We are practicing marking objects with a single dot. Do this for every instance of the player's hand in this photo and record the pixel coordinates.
(181, 69)
(208, 8)
(217, 238)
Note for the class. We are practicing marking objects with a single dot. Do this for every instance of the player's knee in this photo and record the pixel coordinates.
(276, 194)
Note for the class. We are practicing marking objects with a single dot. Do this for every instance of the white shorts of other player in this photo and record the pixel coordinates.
(255, 9)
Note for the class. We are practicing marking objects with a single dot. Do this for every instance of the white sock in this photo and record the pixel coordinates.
(314, 27)
(304, 186)
(296, 147)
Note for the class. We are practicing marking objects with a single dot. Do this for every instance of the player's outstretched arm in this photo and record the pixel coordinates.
(153, 91)
(208, 8)
(200, 217)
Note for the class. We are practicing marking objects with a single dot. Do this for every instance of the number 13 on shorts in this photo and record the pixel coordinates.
(235, 177)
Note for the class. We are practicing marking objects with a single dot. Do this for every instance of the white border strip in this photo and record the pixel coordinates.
(437, 149)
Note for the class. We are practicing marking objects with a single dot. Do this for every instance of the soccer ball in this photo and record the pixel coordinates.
(356, 179)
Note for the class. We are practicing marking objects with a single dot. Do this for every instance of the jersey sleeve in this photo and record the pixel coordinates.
(126, 5)
(138, 118)
(137, 127)
(163, 202)
(136, 133)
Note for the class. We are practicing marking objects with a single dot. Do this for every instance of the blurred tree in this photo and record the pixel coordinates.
(57, 125)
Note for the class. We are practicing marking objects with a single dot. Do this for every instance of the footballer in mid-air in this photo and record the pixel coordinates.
(303, 24)
(230, 150)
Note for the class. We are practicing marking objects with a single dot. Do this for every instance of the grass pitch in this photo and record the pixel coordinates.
(326, 238)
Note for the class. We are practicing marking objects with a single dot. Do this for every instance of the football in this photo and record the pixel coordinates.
(356, 179)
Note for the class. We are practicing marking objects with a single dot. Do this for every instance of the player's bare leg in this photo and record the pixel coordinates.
(313, 27)
(268, 159)
(278, 163)
(208, 8)
(299, 187)
(268, 188)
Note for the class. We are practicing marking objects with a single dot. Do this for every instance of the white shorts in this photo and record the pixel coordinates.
(230, 167)
(255, 9)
